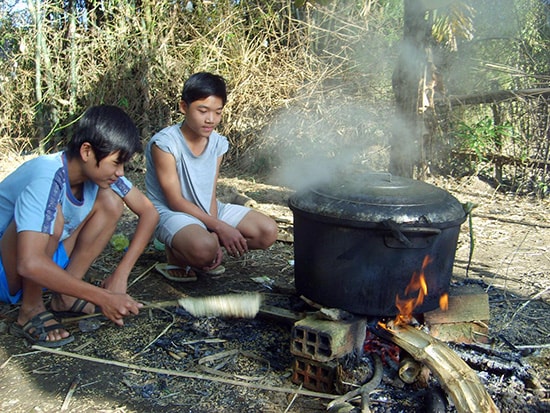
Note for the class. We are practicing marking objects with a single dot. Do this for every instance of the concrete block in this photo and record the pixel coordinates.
(325, 340)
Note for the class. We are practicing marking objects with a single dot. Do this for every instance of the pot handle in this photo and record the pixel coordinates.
(398, 232)
(423, 230)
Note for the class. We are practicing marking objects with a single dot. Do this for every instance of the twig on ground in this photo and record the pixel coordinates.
(232, 354)
(186, 374)
(5, 363)
(42, 370)
(294, 396)
(143, 274)
(526, 303)
(70, 393)
(204, 340)
(533, 346)
(84, 345)
(10, 310)
(505, 287)
(168, 327)
(512, 221)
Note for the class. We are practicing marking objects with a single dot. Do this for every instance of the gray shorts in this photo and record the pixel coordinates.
(171, 222)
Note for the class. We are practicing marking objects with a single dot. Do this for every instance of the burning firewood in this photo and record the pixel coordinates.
(460, 382)
(503, 364)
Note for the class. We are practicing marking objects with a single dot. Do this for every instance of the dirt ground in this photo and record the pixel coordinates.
(166, 360)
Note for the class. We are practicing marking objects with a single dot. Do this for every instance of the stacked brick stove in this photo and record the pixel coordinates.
(317, 344)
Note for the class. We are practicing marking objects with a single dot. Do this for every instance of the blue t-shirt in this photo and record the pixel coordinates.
(31, 194)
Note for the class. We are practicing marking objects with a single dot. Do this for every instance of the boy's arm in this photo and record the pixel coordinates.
(35, 264)
(214, 203)
(148, 219)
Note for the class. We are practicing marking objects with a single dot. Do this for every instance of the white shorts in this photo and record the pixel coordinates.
(171, 222)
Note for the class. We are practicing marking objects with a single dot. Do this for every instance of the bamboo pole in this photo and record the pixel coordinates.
(459, 381)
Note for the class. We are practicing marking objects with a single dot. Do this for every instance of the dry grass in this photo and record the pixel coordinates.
(140, 61)
(305, 84)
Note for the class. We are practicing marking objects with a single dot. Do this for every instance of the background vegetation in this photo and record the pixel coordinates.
(312, 83)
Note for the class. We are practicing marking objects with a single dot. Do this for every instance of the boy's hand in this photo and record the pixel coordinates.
(232, 240)
(119, 306)
(217, 261)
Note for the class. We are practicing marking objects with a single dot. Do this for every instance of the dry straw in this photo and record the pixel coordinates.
(270, 54)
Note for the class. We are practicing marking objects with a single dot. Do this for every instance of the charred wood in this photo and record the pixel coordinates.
(500, 363)
(492, 361)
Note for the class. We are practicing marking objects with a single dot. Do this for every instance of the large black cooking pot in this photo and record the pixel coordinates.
(359, 239)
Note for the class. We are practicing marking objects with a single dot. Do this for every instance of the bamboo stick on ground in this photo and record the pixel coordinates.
(184, 374)
(455, 376)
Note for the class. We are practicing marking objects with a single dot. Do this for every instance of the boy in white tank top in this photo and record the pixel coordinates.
(183, 163)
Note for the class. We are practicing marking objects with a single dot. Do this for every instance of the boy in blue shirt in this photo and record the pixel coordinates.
(57, 214)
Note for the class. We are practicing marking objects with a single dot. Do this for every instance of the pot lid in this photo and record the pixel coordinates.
(378, 197)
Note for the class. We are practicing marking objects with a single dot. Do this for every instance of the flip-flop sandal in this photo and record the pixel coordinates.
(186, 274)
(219, 270)
(36, 332)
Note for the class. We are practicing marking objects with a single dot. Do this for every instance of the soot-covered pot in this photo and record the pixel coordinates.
(359, 239)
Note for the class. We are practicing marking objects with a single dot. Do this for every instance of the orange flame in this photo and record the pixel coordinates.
(418, 283)
(444, 301)
(406, 306)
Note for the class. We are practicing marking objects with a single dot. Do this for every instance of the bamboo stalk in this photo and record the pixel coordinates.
(455, 376)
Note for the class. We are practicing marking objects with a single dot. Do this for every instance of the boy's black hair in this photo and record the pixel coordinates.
(107, 129)
(203, 84)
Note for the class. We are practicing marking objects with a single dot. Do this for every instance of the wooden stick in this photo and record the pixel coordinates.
(229, 305)
(293, 398)
(143, 274)
(70, 393)
(147, 306)
(265, 310)
(455, 376)
(533, 346)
